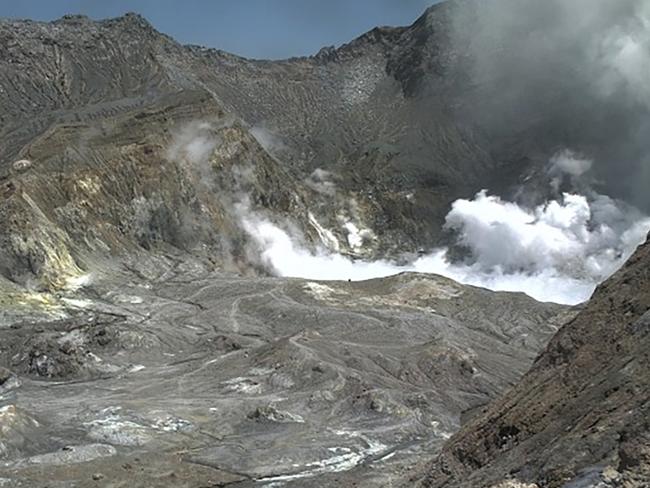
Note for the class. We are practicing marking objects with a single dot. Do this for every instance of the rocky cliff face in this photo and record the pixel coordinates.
(90, 114)
(113, 160)
(384, 131)
(71, 82)
(579, 417)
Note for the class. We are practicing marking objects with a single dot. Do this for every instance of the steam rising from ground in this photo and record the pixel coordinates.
(558, 251)
(580, 68)
(594, 57)
(271, 142)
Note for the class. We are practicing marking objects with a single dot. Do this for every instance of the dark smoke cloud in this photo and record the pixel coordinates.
(563, 73)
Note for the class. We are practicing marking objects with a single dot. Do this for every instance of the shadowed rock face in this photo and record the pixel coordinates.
(579, 417)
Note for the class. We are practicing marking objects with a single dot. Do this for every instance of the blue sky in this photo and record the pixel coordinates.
(253, 28)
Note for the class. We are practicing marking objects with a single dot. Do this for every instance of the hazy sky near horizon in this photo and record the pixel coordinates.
(253, 28)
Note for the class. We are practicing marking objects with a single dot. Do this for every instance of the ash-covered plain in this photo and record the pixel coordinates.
(192, 378)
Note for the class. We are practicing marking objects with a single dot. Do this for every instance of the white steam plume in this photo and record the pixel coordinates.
(568, 162)
(558, 251)
(271, 142)
(321, 181)
(193, 145)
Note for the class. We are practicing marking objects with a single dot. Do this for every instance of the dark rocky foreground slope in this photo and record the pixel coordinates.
(579, 417)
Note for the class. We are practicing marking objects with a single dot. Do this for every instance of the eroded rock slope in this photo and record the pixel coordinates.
(579, 417)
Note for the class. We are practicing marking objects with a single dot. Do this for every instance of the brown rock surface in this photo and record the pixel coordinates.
(583, 406)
